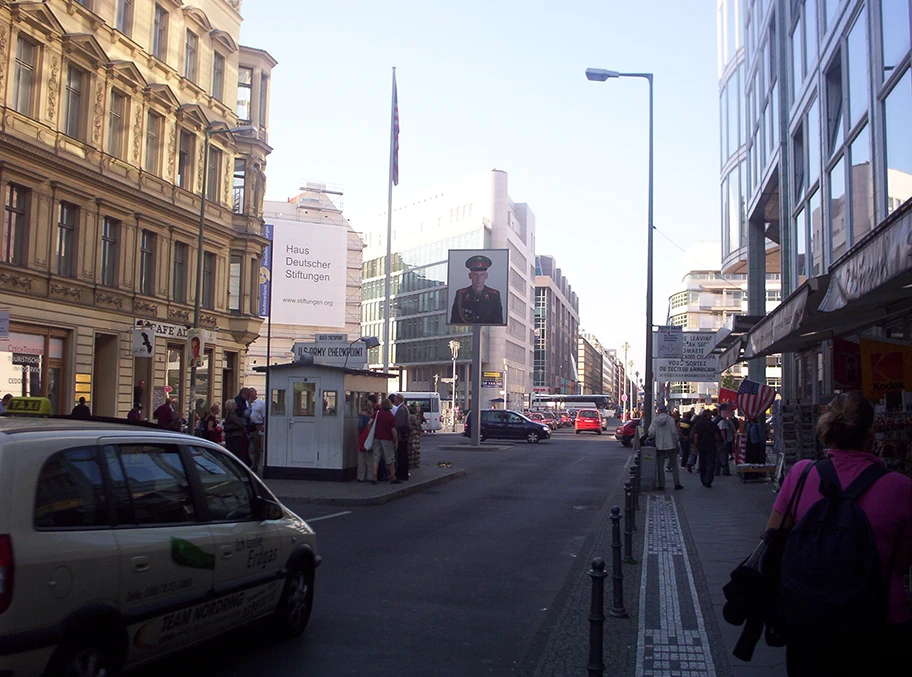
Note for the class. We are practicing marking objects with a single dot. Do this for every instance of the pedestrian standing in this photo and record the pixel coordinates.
(135, 414)
(365, 456)
(164, 415)
(727, 437)
(257, 429)
(404, 430)
(885, 649)
(664, 431)
(81, 410)
(705, 438)
(688, 458)
(213, 424)
(236, 433)
(385, 440)
(677, 421)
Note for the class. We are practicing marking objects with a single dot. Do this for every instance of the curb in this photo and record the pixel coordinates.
(407, 490)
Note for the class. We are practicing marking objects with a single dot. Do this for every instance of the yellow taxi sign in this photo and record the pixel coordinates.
(33, 406)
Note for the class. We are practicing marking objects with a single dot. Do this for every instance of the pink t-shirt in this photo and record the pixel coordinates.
(888, 506)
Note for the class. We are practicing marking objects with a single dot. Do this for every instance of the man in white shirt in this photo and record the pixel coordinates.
(257, 429)
(727, 431)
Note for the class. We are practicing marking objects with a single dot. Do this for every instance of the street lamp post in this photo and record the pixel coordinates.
(630, 385)
(506, 389)
(208, 134)
(600, 75)
(454, 349)
(626, 347)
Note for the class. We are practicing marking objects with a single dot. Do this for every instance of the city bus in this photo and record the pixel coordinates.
(430, 405)
(542, 402)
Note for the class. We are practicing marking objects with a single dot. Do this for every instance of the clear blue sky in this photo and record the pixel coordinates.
(500, 84)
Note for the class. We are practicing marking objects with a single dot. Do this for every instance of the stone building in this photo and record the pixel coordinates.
(107, 109)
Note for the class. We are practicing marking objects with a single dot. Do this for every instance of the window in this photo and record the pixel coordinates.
(234, 283)
(857, 60)
(116, 117)
(72, 121)
(244, 93)
(214, 171)
(898, 142)
(801, 245)
(218, 76)
(303, 398)
(226, 486)
(24, 77)
(66, 239)
(834, 105)
(895, 23)
(185, 160)
(254, 287)
(110, 234)
(207, 300)
(12, 239)
(191, 50)
(816, 246)
(798, 162)
(70, 492)
(837, 214)
(157, 483)
(179, 273)
(160, 33)
(813, 143)
(862, 181)
(798, 60)
(240, 170)
(154, 123)
(125, 17)
(264, 89)
(147, 262)
(330, 403)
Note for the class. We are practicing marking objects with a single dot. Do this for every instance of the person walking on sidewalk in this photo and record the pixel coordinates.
(688, 458)
(847, 430)
(665, 433)
(727, 437)
(404, 428)
(385, 440)
(705, 438)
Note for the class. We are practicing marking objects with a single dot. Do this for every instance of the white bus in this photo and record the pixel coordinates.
(430, 405)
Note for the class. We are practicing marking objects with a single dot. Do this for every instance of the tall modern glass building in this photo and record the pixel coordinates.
(816, 176)
(474, 213)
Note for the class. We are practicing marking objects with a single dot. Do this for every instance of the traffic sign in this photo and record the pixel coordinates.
(624, 397)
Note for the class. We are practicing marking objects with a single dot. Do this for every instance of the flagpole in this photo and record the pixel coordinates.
(389, 230)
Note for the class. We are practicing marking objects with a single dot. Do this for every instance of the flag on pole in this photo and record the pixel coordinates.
(754, 398)
(395, 139)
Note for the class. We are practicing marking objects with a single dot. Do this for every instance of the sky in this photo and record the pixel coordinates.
(487, 84)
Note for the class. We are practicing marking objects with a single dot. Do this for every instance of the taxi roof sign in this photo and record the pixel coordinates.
(31, 406)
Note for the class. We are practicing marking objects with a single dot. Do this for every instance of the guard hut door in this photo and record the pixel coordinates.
(304, 422)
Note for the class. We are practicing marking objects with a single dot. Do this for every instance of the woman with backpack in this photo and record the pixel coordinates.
(842, 597)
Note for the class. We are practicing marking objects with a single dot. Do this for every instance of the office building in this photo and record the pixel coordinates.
(474, 213)
(556, 329)
(107, 108)
(816, 108)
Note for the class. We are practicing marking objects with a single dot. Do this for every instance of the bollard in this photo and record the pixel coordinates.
(596, 665)
(633, 486)
(628, 524)
(636, 482)
(617, 576)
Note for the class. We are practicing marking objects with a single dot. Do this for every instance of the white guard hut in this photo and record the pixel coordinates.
(312, 417)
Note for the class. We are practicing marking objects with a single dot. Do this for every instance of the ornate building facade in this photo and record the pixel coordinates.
(108, 108)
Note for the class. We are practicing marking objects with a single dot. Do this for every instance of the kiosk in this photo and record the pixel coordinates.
(312, 419)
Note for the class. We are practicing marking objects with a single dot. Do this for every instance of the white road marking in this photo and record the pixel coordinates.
(327, 517)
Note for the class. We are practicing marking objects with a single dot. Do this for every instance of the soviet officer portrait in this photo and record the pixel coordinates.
(478, 303)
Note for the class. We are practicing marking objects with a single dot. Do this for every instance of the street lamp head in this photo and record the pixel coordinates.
(600, 74)
(370, 341)
(243, 129)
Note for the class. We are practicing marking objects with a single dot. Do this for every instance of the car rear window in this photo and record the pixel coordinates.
(588, 414)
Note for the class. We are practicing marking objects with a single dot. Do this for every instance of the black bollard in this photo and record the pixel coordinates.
(617, 576)
(628, 524)
(636, 482)
(633, 486)
(596, 665)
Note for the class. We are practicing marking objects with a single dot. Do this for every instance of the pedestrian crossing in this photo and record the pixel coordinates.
(672, 639)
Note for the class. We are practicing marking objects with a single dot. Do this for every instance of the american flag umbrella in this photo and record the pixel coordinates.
(754, 398)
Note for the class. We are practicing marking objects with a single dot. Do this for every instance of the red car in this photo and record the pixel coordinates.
(626, 431)
(588, 419)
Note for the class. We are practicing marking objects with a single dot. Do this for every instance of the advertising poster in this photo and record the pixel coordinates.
(196, 346)
(308, 274)
(265, 273)
(885, 367)
(477, 291)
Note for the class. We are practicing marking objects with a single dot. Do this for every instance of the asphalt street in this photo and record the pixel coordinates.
(458, 579)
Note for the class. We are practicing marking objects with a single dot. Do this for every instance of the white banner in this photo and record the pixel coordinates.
(693, 365)
(669, 342)
(308, 274)
(143, 343)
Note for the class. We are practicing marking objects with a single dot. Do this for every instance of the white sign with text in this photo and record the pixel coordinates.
(669, 342)
(308, 274)
(694, 365)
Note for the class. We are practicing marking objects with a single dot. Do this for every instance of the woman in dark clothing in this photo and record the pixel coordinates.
(235, 433)
(213, 427)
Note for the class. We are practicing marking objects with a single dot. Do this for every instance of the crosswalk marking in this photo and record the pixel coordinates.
(672, 640)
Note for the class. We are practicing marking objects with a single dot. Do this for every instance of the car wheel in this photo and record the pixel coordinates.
(291, 615)
(88, 654)
(599, 431)
(482, 438)
(532, 438)
(626, 441)
(577, 432)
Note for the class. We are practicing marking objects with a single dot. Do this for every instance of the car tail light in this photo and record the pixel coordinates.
(6, 572)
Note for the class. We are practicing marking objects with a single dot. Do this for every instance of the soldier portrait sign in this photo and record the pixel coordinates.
(477, 288)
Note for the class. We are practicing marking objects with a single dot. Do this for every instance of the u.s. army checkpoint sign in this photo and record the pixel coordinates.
(693, 365)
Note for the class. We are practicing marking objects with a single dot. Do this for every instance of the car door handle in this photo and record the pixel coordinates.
(227, 551)
(140, 564)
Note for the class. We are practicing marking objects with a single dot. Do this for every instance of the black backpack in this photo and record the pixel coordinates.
(832, 579)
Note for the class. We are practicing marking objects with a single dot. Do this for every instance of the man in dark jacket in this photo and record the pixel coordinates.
(705, 437)
(403, 428)
(81, 410)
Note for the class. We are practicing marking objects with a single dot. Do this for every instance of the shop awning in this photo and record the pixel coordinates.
(783, 329)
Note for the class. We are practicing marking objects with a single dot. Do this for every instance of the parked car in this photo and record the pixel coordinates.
(564, 419)
(626, 431)
(121, 543)
(538, 417)
(588, 419)
(551, 420)
(505, 424)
